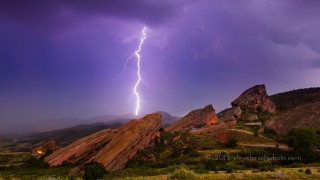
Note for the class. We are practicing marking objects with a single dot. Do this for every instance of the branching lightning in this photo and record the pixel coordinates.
(135, 89)
(123, 73)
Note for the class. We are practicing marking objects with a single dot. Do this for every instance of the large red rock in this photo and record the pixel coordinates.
(81, 150)
(110, 148)
(128, 141)
(195, 118)
(255, 97)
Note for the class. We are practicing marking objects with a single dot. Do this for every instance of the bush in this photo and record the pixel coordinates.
(232, 143)
(300, 171)
(210, 164)
(93, 171)
(308, 171)
(34, 162)
(183, 174)
(256, 133)
(229, 167)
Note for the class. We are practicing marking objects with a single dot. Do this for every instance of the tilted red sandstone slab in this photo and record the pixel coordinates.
(128, 141)
(112, 148)
(82, 149)
(199, 117)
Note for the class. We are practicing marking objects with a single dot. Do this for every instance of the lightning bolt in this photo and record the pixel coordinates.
(123, 73)
(137, 54)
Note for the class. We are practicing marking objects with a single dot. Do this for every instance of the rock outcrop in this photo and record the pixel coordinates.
(214, 129)
(42, 149)
(303, 116)
(195, 118)
(128, 141)
(230, 114)
(112, 148)
(255, 97)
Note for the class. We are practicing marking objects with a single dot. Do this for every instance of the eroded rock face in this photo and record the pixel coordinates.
(112, 148)
(255, 97)
(195, 118)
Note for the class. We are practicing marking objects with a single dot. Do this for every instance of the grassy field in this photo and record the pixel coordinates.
(281, 173)
(13, 159)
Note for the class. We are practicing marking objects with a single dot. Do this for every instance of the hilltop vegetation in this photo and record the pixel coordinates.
(294, 98)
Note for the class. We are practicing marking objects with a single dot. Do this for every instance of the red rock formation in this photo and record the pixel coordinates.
(128, 141)
(42, 149)
(110, 148)
(215, 128)
(255, 97)
(199, 117)
(230, 115)
(81, 150)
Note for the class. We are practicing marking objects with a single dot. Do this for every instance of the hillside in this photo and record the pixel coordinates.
(294, 98)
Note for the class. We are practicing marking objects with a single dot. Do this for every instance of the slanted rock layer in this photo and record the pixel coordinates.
(195, 118)
(112, 148)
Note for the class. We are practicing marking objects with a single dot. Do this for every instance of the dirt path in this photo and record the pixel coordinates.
(281, 146)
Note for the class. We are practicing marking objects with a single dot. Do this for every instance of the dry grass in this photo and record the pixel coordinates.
(281, 173)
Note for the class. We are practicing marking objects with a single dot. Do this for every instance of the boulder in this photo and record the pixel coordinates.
(255, 97)
(195, 118)
(112, 148)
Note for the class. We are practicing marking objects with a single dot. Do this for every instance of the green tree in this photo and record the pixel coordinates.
(303, 142)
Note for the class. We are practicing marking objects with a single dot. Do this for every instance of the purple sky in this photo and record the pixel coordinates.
(60, 58)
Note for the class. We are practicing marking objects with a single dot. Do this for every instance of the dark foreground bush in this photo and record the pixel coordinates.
(93, 172)
(308, 171)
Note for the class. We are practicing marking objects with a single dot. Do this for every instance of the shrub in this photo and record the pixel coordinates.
(93, 171)
(210, 164)
(229, 167)
(232, 143)
(256, 133)
(308, 171)
(183, 174)
(300, 171)
(34, 162)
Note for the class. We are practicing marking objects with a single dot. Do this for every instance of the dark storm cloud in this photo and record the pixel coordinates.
(197, 53)
(60, 14)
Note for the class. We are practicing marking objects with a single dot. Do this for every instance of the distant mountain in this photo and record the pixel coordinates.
(55, 124)
(167, 118)
(63, 137)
